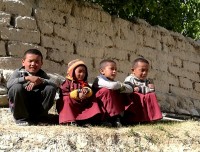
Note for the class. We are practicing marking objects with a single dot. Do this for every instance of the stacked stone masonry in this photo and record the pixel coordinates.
(67, 29)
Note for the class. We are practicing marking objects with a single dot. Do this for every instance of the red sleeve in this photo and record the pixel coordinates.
(65, 88)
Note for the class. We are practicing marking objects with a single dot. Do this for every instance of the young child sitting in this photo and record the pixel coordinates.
(144, 99)
(109, 93)
(76, 101)
(30, 91)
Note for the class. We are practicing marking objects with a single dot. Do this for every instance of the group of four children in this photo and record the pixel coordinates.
(109, 102)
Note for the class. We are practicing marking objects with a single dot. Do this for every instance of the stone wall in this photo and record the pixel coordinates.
(65, 29)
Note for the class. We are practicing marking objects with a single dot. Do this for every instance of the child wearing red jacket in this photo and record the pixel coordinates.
(76, 100)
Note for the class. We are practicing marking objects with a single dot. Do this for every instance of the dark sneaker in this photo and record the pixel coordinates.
(22, 122)
(87, 125)
(117, 123)
(70, 124)
(73, 124)
(106, 124)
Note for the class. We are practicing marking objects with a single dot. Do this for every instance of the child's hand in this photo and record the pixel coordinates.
(30, 86)
(34, 79)
(85, 90)
(151, 86)
(136, 89)
(81, 95)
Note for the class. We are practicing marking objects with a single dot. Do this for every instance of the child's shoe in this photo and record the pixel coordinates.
(22, 122)
(106, 124)
(117, 123)
(70, 124)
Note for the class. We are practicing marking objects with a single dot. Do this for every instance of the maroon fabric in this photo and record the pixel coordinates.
(145, 108)
(111, 101)
(71, 110)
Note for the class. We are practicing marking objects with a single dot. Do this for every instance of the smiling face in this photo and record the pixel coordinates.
(32, 63)
(141, 70)
(109, 70)
(80, 72)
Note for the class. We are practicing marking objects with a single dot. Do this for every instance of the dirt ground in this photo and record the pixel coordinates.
(165, 136)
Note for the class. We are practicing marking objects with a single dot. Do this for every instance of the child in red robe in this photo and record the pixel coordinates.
(110, 93)
(76, 101)
(146, 108)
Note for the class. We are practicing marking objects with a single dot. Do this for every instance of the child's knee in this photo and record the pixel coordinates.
(50, 89)
(104, 90)
(16, 88)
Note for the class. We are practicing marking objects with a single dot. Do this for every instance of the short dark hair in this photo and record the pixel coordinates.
(33, 51)
(141, 59)
(104, 62)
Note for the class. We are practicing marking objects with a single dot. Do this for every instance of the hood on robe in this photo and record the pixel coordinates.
(72, 65)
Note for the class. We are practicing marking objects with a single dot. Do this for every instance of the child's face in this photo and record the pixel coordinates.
(80, 72)
(109, 71)
(32, 63)
(141, 70)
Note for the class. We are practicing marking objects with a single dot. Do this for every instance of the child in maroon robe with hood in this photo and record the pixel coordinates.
(76, 100)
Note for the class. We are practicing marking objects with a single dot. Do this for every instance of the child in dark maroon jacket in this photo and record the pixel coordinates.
(76, 101)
